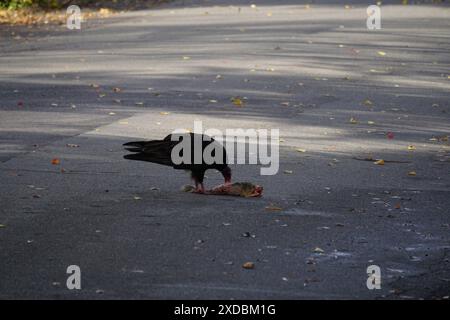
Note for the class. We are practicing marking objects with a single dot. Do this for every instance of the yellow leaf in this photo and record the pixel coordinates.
(382, 53)
(237, 102)
(412, 173)
(411, 148)
(379, 162)
(56, 161)
(164, 113)
(367, 102)
(273, 208)
(300, 150)
(104, 12)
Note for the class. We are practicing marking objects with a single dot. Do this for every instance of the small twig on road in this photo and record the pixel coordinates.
(373, 160)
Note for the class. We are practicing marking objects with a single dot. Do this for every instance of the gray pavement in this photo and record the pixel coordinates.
(333, 88)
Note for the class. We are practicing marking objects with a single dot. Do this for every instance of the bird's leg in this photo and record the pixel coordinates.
(199, 188)
(227, 176)
(198, 178)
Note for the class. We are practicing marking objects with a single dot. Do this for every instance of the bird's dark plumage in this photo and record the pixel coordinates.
(160, 151)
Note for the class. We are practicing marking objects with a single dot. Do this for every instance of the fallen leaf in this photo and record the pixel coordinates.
(353, 120)
(117, 90)
(248, 265)
(382, 53)
(390, 135)
(237, 102)
(56, 161)
(411, 147)
(412, 173)
(2, 226)
(318, 250)
(379, 162)
(300, 150)
(137, 198)
(186, 58)
(271, 207)
(164, 113)
(367, 102)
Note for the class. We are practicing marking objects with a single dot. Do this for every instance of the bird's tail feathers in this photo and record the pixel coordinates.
(135, 156)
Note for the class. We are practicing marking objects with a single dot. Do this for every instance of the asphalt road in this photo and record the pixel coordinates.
(337, 91)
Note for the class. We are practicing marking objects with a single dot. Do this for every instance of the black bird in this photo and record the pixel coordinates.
(160, 151)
